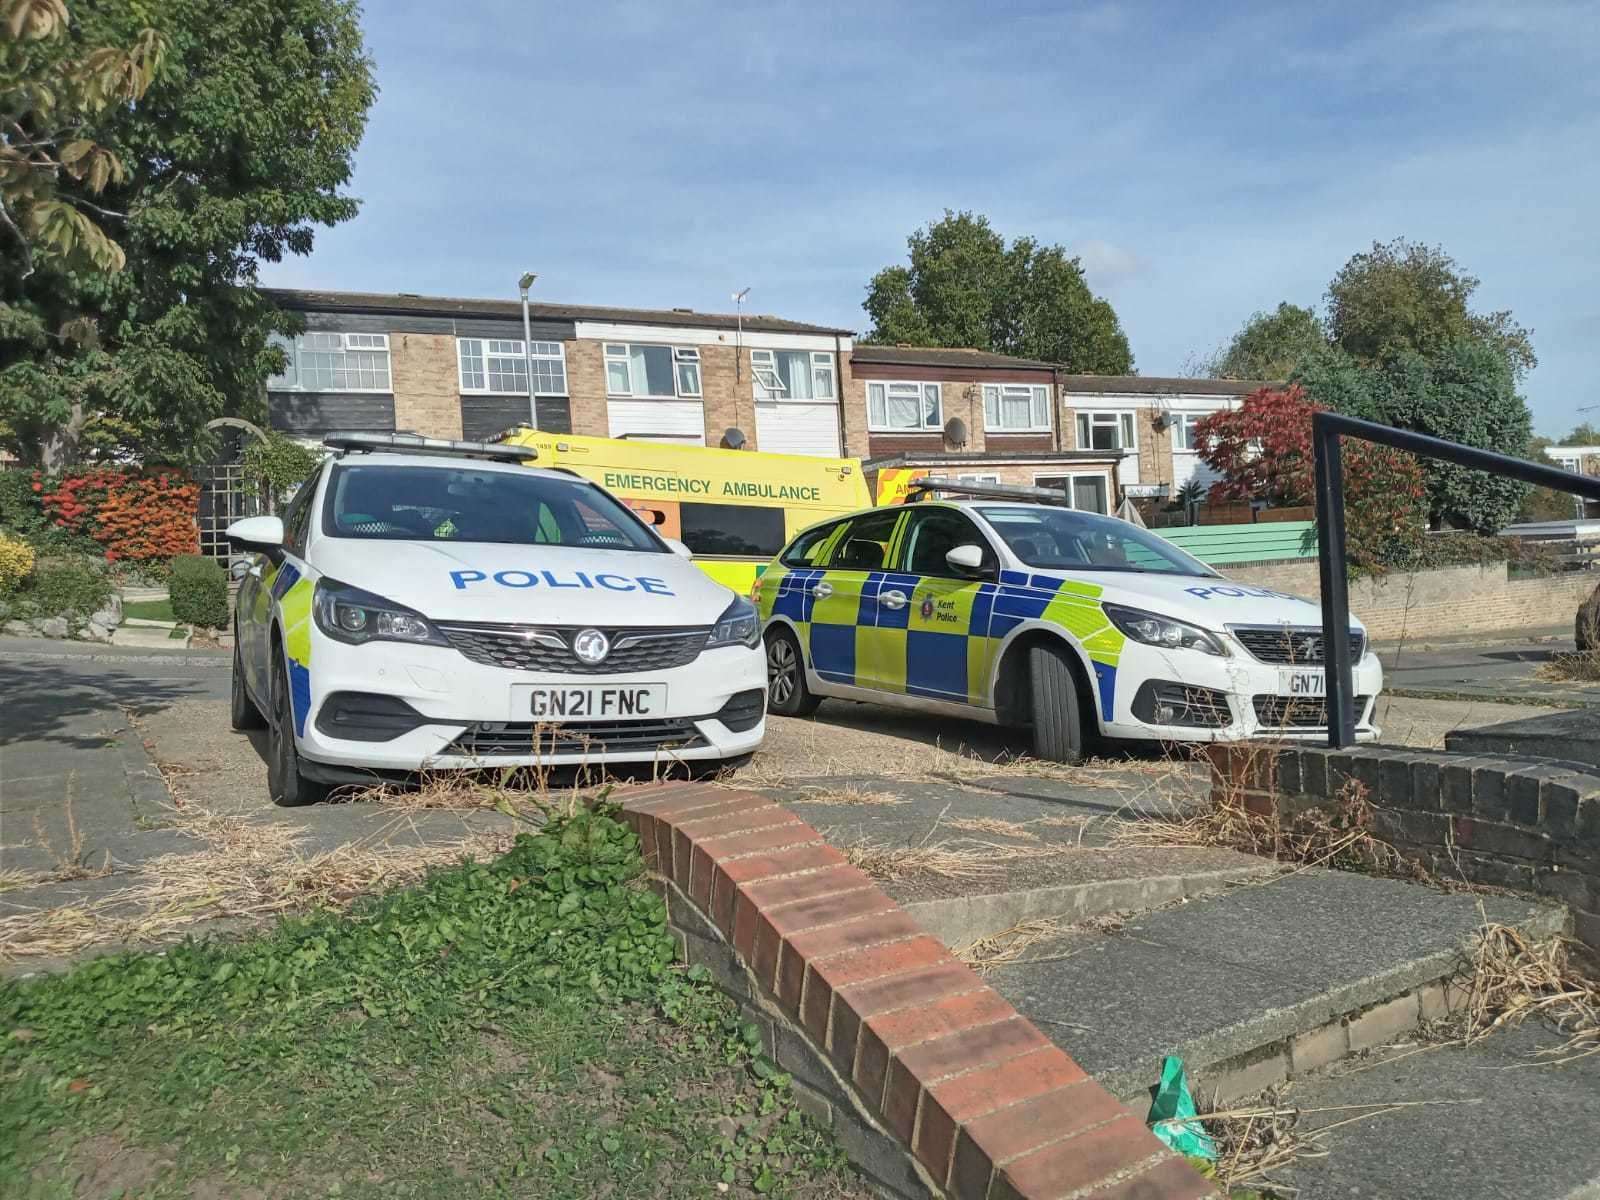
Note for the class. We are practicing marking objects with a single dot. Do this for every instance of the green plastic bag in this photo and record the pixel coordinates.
(1172, 1111)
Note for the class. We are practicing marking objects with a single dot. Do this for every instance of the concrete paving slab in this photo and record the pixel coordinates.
(1221, 977)
(1569, 736)
(1533, 1136)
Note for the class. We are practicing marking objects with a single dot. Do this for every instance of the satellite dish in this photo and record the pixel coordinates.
(955, 432)
(733, 438)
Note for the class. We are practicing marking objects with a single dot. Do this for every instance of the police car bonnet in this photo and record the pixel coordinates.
(1213, 602)
(537, 584)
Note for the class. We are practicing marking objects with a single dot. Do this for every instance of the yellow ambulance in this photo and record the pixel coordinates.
(734, 508)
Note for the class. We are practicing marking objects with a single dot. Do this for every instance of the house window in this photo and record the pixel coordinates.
(792, 374)
(1089, 493)
(904, 407)
(1183, 430)
(501, 367)
(333, 362)
(1016, 408)
(1106, 431)
(652, 372)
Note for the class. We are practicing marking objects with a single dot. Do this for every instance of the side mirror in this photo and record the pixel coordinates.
(966, 560)
(259, 535)
(679, 548)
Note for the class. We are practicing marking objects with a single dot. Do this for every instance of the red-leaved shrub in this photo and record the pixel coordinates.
(134, 514)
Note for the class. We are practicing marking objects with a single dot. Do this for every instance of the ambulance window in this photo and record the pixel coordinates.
(731, 529)
(806, 551)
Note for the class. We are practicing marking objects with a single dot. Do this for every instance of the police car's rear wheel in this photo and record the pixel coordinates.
(242, 711)
(1058, 734)
(287, 786)
(787, 693)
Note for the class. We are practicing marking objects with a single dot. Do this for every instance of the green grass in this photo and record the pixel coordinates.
(148, 610)
(510, 1029)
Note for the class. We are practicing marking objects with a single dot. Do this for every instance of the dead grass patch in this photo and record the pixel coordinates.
(1010, 945)
(848, 796)
(72, 861)
(993, 825)
(239, 869)
(1571, 668)
(890, 863)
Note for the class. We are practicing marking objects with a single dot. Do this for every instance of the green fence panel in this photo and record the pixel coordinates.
(1269, 541)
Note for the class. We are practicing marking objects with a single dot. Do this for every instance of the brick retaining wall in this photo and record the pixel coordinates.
(1529, 825)
(932, 1082)
(1448, 600)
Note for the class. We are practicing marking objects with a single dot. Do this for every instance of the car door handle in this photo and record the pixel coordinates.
(892, 599)
(822, 590)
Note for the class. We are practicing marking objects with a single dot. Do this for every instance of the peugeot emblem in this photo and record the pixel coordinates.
(1310, 647)
(591, 646)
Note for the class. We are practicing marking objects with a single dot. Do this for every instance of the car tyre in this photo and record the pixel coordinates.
(787, 693)
(1058, 723)
(287, 785)
(242, 711)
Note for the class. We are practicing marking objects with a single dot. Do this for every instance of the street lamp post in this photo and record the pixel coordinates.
(524, 284)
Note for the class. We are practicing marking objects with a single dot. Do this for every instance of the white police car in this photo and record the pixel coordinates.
(426, 604)
(1033, 614)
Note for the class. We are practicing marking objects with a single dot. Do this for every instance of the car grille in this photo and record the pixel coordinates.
(549, 647)
(1299, 712)
(489, 738)
(1298, 645)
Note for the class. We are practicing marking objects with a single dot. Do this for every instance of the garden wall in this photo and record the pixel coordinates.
(932, 1082)
(1445, 600)
(1519, 823)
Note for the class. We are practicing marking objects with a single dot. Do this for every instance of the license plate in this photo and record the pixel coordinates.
(593, 702)
(1302, 683)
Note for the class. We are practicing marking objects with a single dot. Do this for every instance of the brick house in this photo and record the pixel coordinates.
(457, 368)
(971, 416)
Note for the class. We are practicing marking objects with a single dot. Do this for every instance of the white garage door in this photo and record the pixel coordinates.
(794, 427)
(681, 422)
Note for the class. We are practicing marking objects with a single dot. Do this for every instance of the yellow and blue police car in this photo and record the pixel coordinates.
(425, 604)
(1003, 605)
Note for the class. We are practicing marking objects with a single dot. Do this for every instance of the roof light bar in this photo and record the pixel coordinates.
(989, 491)
(411, 443)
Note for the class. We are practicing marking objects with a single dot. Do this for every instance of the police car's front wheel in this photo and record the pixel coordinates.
(286, 785)
(787, 693)
(1058, 734)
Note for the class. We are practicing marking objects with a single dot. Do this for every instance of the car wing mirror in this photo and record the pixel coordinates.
(258, 535)
(966, 560)
(678, 548)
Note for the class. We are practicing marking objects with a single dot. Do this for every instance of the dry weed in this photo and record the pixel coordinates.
(241, 869)
(1009, 945)
(73, 862)
(1513, 979)
(889, 863)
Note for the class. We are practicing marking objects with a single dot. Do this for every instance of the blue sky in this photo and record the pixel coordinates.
(1205, 161)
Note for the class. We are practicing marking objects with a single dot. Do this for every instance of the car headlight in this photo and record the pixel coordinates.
(348, 614)
(739, 625)
(1155, 630)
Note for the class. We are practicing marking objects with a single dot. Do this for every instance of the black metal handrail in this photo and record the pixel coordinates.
(1326, 430)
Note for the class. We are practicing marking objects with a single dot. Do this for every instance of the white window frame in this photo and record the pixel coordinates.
(484, 353)
(769, 385)
(1180, 421)
(293, 378)
(1072, 495)
(1038, 398)
(922, 387)
(1122, 422)
(685, 363)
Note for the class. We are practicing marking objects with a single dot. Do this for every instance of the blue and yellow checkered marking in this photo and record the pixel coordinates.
(292, 592)
(942, 643)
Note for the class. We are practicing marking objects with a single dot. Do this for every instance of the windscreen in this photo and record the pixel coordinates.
(1068, 540)
(467, 504)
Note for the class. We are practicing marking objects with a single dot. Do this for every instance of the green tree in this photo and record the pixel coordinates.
(237, 150)
(1465, 394)
(965, 287)
(1271, 345)
(1584, 435)
(1405, 296)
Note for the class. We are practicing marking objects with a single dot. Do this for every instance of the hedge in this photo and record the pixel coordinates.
(199, 591)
